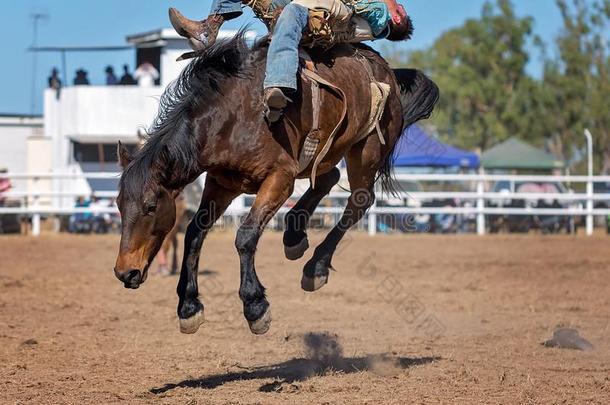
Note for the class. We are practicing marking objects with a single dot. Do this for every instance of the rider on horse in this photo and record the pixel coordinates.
(354, 21)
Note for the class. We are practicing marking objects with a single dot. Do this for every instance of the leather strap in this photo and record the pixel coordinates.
(313, 137)
(382, 88)
(313, 76)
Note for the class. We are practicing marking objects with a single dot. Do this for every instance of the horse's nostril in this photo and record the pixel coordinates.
(133, 277)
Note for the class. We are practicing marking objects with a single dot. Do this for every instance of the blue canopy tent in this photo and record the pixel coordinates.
(418, 149)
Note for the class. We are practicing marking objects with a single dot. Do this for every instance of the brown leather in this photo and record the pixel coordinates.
(272, 20)
(201, 34)
(263, 11)
(275, 98)
(275, 102)
(330, 140)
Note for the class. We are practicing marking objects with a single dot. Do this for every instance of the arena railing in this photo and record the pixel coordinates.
(36, 202)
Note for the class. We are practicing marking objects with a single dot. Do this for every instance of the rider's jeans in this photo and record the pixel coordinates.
(226, 7)
(283, 54)
(234, 7)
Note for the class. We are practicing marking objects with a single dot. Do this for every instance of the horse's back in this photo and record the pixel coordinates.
(347, 67)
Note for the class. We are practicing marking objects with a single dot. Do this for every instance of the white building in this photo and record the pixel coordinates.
(84, 123)
(15, 132)
(24, 150)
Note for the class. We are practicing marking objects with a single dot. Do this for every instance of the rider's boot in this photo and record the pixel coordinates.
(275, 101)
(201, 34)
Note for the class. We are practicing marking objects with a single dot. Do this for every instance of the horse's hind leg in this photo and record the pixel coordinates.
(361, 169)
(274, 191)
(180, 211)
(174, 269)
(162, 257)
(295, 236)
(214, 202)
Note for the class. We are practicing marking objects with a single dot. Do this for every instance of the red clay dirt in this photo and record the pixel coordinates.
(404, 319)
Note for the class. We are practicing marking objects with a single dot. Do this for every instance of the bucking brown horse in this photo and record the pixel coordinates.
(210, 120)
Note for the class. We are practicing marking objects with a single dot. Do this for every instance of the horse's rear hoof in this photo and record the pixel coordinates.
(192, 324)
(311, 284)
(261, 325)
(297, 251)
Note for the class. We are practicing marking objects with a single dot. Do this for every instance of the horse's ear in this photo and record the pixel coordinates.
(176, 193)
(124, 155)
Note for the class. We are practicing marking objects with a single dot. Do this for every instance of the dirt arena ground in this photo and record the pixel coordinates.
(404, 319)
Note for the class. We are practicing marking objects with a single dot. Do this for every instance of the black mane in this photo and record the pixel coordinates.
(170, 154)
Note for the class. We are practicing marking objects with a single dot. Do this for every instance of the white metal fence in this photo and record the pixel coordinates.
(42, 194)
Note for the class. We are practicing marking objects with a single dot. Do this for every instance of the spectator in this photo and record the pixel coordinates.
(81, 78)
(111, 79)
(55, 82)
(5, 185)
(101, 222)
(146, 75)
(80, 222)
(127, 79)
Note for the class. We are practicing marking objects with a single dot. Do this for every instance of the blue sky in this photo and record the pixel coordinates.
(108, 22)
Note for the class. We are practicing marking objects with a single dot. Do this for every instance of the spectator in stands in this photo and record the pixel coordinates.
(127, 79)
(5, 185)
(55, 82)
(81, 78)
(111, 79)
(80, 222)
(146, 75)
(101, 222)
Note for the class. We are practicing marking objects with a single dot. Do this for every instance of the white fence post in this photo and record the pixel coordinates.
(373, 219)
(590, 223)
(36, 216)
(36, 225)
(480, 207)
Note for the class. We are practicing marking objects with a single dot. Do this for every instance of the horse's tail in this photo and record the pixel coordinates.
(418, 96)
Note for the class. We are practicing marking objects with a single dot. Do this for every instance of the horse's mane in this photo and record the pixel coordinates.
(170, 152)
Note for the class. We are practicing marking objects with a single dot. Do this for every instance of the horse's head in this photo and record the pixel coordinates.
(148, 213)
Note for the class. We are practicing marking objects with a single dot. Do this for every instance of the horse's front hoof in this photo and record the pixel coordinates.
(297, 251)
(191, 325)
(261, 325)
(311, 284)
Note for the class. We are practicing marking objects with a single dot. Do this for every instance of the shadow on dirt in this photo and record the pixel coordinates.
(324, 357)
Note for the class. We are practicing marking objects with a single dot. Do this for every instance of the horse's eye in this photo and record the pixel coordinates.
(150, 209)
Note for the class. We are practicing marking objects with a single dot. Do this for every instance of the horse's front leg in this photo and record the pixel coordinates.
(274, 191)
(295, 236)
(214, 202)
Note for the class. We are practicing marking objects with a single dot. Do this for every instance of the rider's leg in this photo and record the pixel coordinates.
(202, 34)
(283, 58)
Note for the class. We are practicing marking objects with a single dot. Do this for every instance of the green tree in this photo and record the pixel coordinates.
(576, 83)
(486, 95)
